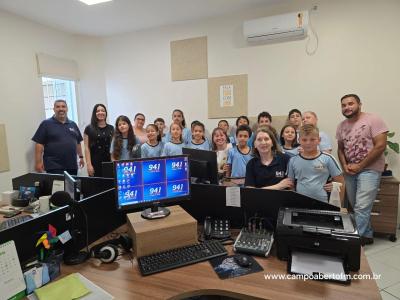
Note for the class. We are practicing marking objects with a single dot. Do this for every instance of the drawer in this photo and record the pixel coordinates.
(388, 189)
(384, 212)
(383, 227)
(386, 200)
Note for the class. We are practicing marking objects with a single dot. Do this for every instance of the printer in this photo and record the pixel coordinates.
(319, 231)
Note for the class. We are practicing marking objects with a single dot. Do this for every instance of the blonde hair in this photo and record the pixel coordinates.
(308, 129)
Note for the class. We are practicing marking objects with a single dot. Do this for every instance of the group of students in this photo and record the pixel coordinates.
(263, 159)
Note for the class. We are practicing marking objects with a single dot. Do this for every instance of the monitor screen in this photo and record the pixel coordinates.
(151, 181)
(203, 165)
(71, 186)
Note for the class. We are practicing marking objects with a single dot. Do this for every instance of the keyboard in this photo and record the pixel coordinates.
(180, 257)
(14, 221)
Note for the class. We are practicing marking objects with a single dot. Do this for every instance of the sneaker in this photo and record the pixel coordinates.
(366, 241)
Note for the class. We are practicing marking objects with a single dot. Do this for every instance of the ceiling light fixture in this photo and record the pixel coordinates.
(92, 2)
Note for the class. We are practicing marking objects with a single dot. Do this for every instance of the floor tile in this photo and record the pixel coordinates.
(378, 245)
(394, 289)
(389, 257)
(387, 296)
(389, 275)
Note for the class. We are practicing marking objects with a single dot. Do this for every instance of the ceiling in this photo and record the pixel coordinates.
(121, 16)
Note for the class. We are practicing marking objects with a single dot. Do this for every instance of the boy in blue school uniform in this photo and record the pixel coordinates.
(312, 168)
(239, 155)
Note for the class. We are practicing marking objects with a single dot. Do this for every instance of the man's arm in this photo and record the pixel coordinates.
(80, 154)
(39, 166)
(342, 158)
(379, 146)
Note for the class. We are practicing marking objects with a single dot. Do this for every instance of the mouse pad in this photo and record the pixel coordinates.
(226, 267)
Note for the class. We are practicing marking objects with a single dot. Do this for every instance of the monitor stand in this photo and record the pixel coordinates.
(155, 212)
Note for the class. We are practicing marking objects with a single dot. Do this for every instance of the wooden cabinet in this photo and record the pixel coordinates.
(384, 211)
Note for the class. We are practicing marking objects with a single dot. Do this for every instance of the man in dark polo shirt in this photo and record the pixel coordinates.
(58, 143)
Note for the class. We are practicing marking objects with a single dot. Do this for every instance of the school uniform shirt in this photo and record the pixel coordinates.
(147, 150)
(60, 141)
(238, 162)
(186, 136)
(291, 152)
(325, 143)
(171, 148)
(312, 174)
(259, 175)
(203, 146)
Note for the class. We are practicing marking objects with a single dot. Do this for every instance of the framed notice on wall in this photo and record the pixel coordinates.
(4, 162)
(227, 96)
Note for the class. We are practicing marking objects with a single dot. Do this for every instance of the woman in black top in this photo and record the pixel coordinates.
(97, 138)
(267, 169)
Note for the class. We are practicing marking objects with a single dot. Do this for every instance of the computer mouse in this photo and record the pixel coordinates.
(243, 260)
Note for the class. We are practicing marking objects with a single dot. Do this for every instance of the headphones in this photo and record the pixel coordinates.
(108, 251)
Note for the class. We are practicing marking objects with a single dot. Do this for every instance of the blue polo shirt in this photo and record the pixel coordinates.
(259, 175)
(59, 141)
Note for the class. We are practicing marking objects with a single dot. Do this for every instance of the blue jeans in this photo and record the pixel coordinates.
(361, 190)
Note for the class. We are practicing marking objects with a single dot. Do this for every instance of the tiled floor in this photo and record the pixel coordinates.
(384, 258)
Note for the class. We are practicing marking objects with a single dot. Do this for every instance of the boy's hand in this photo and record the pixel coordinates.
(328, 187)
(286, 183)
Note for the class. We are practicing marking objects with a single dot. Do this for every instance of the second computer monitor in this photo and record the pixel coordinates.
(203, 165)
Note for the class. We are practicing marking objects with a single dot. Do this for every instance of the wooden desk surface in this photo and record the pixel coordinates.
(123, 280)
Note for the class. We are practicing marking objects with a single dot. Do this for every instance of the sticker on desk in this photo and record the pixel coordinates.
(233, 196)
(65, 237)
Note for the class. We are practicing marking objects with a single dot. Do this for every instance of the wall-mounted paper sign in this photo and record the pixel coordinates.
(227, 96)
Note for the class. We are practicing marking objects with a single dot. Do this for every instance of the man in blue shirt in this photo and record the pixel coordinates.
(58, 143)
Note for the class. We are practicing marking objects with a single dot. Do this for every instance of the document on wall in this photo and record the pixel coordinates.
(233, 196)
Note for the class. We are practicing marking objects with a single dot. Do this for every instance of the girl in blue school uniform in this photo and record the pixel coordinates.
(179, 118)
(288, 140)
(198, 139)
(124, 144)
(154, 146)
(175, 144)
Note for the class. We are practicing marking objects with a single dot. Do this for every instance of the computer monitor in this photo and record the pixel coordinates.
(151, 182)
(203, 165)
(71, 186)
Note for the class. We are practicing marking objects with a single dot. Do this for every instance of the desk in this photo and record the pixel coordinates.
(122, 279)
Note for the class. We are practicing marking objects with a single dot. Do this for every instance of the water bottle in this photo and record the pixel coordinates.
(335, 194)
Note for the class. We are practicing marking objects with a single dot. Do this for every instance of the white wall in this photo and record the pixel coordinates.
(358, 53)
(22, 107)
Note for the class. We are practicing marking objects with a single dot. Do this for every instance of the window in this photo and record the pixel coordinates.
(54, 89)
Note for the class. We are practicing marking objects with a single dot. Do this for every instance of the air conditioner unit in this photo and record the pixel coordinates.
(280, 27)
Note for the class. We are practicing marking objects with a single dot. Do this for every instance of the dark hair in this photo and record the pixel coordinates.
(139, 114)
(180, 126)
(221, 121)
(351, 95)
(214, 146)
(118, 137)
(159, 120)
(275, 146)
(198, 123)
(242, 117)
(244, 128)
(94, 120)
(60, 100)
(294, 142)
(292, 111)
(264, 114)
(183, 125)
(156, 129)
